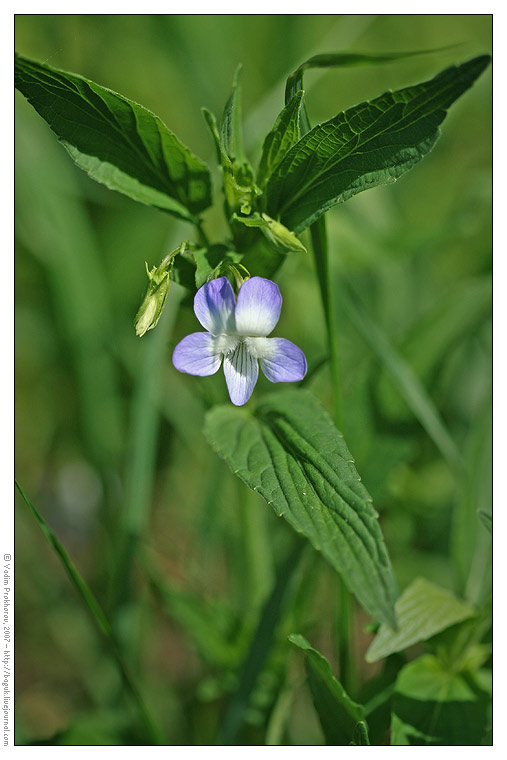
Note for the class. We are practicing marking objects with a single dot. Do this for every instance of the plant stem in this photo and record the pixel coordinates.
(321, 257)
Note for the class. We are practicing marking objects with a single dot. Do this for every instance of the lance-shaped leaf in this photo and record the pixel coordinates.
(118, 142)
(370, 144)
(339, 715)
(422, 611)
(290, 452)
(283, 136)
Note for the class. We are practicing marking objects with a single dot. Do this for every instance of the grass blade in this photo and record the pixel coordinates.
(406, 380)
(98, 616)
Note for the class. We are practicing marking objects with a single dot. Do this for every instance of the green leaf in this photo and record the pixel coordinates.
(290, 452)
(434, 705)
(345, 59)
(283, 136)
(118, 142)
(422, 611)
(407, 383)
(367, 145)
(339, 715)
(239, 190)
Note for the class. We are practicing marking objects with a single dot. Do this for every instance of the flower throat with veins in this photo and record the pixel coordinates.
(237, 331)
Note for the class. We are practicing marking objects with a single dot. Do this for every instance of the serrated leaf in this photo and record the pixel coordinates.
(290, 452)
(118, 142)
(283, 136)
(433, 705)
(423, 610)
(370, 144)
(339, 715)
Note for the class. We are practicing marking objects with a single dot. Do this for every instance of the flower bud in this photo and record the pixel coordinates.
(156, 295)
(281, 238)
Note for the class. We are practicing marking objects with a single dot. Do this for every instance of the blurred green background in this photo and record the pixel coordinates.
(109, 444)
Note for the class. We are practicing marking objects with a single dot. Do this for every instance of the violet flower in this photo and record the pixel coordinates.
(237, 332)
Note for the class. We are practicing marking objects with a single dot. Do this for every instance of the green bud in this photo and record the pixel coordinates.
(281, 238)
(156, 293)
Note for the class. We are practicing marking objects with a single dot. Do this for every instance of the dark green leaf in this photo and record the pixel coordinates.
(434, 705)
(338, 713)
(283, 136)
(367, 145)
(290, 452)
(117, 141)
(422, 611)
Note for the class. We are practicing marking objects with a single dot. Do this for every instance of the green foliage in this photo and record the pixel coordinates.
(341, 718)
(421, 611)
(293, 456)
(435, 705)
(98, 616)
(370, 144)
(283, 136)
(117, 142)
(185, 560)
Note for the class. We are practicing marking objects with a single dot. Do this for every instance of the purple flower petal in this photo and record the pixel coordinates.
(258, 307)
(241, 372)
(196, 355)
(214, 306)
(283, 362)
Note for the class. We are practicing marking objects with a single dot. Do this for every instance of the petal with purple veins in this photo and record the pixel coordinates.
(258, 307)
(282, 361)
(214, 306)
(241, 372)
(196, 355)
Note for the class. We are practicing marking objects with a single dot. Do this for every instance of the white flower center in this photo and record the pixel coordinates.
(225, 344)
(258, 348)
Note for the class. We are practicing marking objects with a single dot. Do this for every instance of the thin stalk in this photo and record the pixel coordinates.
(100, 619)
(345, 603)
(321, 256)
(260, 647)
(343, 626)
